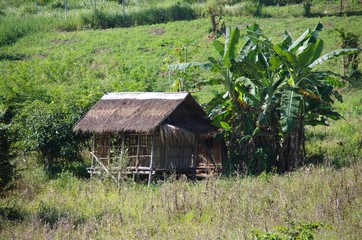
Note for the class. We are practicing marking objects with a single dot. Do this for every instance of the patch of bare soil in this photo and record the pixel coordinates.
(157, 31)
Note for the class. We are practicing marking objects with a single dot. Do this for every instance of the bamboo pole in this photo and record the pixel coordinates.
(104, 167)
(194, 158)
(152, 155)
(92, 151)
(138, 153)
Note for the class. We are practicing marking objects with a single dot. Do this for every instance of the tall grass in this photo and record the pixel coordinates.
(16, 23)
(19, 18)
(152, 15)
(69, 207)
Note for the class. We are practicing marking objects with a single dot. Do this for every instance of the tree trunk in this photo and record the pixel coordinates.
(292, 151)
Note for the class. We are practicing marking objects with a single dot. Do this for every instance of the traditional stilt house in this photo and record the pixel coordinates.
(150, 133)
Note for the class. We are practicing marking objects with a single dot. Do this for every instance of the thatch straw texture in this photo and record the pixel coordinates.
(143, 112)
(170, 133)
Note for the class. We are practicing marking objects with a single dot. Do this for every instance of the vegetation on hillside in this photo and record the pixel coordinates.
(54, 64)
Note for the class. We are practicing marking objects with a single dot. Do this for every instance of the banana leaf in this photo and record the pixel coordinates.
(289, 110)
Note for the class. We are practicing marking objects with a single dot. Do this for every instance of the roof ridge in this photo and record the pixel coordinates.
(145, 95)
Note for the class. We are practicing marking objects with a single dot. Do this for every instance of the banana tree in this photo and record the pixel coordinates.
(307, 95)
(271, 92)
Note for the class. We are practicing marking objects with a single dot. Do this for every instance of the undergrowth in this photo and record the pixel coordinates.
(320, 200)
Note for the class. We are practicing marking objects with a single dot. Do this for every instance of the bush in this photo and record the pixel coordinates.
(307, 5)
(102, 20)
(12, 211)
(11, 29)
(294, 230)
(6, 168)
(47, 129)
(59, 4)
(351, 62)
(280, 2)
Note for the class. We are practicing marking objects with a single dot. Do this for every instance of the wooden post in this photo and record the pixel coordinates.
(138, 153)
(93, 150)
(194, 157)
(121, 157)
(152, 155)
(109, 143)
(104, 168)
(123, 151)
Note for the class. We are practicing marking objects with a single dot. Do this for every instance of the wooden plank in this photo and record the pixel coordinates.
(104, 167)
(152, 155)
(194, 158)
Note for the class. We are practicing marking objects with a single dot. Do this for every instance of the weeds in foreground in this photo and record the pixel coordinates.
(234, 208)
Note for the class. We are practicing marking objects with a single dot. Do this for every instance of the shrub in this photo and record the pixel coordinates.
(11, 211)
(307, 5)
(294, 230)
(47, 129)
(6, 167)
(101, 20)
(59, 4)
(350, 62)
(11, 29)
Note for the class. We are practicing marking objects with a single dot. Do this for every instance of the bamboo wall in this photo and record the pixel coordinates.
(135, 150)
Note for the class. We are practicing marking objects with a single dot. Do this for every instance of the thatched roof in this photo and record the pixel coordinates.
(143, 112)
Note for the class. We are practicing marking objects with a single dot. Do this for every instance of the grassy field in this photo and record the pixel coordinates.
(50, 62)
(107, 59)
(231, 208)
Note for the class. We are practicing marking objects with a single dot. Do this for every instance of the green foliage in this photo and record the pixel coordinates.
(271, 93)
(339, 144)
(11, 29)
(20, 18)
(103, 20)
(6, 166)
(48, 130)
(307, 5)
(62, 73)
(294, 231)
(351, 62)
(75, 69)
(181, 80)
(11, 211)
(279, 2)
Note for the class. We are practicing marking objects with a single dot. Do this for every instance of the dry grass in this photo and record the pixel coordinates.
(69, 208)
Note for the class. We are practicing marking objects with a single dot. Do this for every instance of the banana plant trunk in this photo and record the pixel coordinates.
(292, 151)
